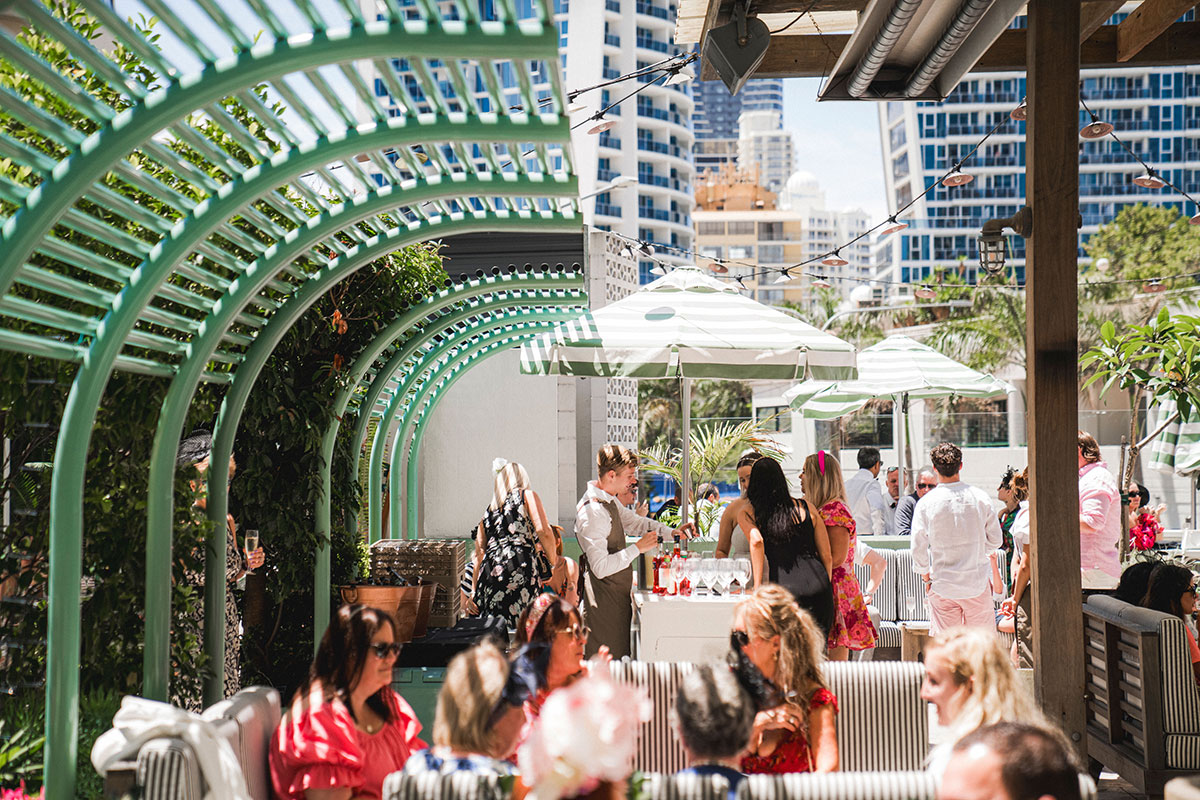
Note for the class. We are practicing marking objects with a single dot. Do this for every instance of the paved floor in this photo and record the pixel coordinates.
(1113, 787)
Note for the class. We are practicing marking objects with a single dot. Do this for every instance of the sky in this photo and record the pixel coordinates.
(839, 143)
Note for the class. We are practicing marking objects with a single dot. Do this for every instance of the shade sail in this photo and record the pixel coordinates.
(894, 367)
(1177, 448)
(687, 324)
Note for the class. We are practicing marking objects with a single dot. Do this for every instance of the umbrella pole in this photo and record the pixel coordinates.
(685, 400)
(1193, 520)
(908, 462)
(898, 442)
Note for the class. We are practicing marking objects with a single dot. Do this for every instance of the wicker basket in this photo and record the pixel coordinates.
(436, 561)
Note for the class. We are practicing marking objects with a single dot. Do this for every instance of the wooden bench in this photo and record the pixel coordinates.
(1143, 706)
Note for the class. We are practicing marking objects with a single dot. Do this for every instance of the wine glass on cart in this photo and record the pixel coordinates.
(744, 573)
(708, 572)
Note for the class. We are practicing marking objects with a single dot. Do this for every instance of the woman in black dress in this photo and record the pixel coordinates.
(788, 542)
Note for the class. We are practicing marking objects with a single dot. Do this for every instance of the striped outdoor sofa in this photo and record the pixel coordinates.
(167, 769)
(882, 723)
(1143, 706)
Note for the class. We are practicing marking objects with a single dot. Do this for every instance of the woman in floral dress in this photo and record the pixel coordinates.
(514, 547)
(823, 488)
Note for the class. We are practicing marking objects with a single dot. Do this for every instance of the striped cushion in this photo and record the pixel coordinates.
(908, 583)
(885, 598)
(872, 698)
(435, 786)
(1180, 697)
(882, 723)
(841, 785)
(686, 787)
(889, 635)
(1183, 751)
(167, 770)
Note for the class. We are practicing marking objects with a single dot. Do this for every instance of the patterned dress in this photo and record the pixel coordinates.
(793, 753)
(852, 626)
(513, 568)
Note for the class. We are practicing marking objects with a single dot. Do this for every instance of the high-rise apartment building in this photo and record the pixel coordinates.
(718, 114)
(1155, 110)
(652, 139)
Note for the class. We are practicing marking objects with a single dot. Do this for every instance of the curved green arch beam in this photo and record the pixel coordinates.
(530, 284)
(160, 499)
(432, 391)
(96, 154)
(401, 403)
(269, 337)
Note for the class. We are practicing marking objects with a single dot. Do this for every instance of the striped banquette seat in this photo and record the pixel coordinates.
(882, 722)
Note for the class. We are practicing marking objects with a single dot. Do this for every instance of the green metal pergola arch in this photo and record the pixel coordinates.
(431, 392)
(441, 309)
(402, 400)
(406, 359)
(261, 214)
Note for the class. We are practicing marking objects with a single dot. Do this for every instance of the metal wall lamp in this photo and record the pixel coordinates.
(991, 238)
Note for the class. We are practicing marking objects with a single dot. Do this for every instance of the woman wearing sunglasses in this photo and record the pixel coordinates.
(346, 729)
(1172, 590)
(781, 639)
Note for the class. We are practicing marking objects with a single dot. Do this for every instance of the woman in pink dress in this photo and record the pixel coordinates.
(824, 488)
(346, 729)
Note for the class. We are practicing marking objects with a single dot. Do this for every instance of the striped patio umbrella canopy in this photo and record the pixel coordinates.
(1177, 448)
(689, 325)
(892, 368)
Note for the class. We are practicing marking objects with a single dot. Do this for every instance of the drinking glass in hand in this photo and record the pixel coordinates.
(251, 546)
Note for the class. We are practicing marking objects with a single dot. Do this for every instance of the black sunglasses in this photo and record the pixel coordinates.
(384, 649)
(926, 485)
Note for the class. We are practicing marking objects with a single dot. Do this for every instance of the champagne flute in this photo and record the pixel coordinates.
(708, 568)
(745, 573)
(251, 546)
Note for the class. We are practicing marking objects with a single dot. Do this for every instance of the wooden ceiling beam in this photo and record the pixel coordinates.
(1146, 23)
(811, 56)
(1093, 15)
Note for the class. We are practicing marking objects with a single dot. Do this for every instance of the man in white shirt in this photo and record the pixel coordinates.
(602, 520)
(864, 497)
(954, 529)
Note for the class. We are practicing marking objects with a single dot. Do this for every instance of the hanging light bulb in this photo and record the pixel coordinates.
(574, 107)
(925, 293)
(681, 75)
(646, 249)
(784, 277)
(627, 251)
(1153, 287)
(820, 282)
(957, 178)
(658, 269)
(719, 268)
(602, 124)
(834, 259)
(1096, 129)
(1195, 220)
(1020, 113)
(1149, 180)
(893, 226)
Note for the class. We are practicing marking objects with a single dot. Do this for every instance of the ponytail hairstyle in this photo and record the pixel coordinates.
(1020, 485)
(770, 610)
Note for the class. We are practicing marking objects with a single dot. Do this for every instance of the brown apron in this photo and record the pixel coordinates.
(607, 605)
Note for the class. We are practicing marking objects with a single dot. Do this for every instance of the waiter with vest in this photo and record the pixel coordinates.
(602, 521)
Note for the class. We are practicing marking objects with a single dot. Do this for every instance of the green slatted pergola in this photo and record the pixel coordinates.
(428, 119)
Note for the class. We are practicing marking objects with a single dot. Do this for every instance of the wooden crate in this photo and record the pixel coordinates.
(438, 561)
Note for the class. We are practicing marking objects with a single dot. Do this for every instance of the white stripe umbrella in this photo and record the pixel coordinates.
(1177, 448)
(688, 325)
(900, 368)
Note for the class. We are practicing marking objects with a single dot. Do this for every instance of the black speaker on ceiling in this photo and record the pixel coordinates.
(737, 48)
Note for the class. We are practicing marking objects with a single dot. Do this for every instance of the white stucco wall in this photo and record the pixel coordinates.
(493, 411)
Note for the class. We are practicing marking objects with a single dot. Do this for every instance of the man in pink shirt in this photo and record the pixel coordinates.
(1099, 518)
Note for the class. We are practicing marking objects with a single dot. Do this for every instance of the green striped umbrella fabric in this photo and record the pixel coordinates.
(1177, 448)
(687, 324)
(892, 368)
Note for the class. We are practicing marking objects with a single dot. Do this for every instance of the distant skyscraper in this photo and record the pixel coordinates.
(652, 139)
(720, 117)
(1156, 110)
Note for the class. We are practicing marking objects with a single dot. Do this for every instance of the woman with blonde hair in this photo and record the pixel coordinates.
(825, 490)
(784, 643)
(972, 683)
(479, 716)
(515, 549)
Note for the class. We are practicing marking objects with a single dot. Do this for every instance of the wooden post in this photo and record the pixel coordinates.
(1052, 192)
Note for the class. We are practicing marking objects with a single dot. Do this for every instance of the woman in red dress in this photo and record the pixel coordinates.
(825, 490)
(784, 642)
(346, 729)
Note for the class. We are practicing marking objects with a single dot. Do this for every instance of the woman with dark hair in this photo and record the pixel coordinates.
(1134, 581)
(1172, 590)
(346, 729)
(732, 543)
(788, 542)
